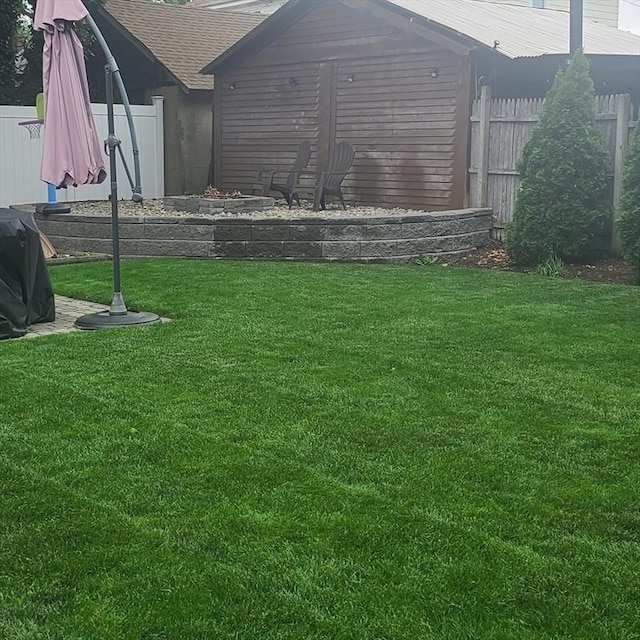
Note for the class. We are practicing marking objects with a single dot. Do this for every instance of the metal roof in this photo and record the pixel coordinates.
(512, 31)
(520, 31)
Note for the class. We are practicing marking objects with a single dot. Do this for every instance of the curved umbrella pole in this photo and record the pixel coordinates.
(118, 315)
(112, 65)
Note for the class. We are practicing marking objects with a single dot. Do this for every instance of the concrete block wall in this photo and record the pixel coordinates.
(401, 238)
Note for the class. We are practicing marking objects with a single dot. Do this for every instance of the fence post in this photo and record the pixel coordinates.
(623, 118)
(484, 127)
(158, 103)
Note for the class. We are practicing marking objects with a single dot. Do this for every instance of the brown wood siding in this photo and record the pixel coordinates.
(402, 127)
(264, 120)
(357, 78)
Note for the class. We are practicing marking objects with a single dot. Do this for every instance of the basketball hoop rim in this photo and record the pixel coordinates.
(33, 127)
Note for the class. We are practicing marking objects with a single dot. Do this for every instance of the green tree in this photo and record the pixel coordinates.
(11, 12)
(562, 205)
(21, 50)
(30, 80)
(630, 205)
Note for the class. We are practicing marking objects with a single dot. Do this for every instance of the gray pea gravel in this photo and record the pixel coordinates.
(149, 208)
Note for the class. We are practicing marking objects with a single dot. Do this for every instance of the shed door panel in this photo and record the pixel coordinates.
(265, 117)
(400, 114)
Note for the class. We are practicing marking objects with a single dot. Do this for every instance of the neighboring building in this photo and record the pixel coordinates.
(396, 78)
(160, 49)
(604, 11)
(629, 18)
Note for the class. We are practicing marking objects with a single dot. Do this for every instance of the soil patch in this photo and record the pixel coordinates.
(493, 256)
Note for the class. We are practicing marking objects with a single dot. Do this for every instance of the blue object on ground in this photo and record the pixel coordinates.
(52, 197)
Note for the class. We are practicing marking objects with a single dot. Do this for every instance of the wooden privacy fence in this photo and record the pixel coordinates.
(500, 128)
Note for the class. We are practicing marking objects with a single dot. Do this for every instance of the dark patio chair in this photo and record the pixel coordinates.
(282, 180)
(327, 183)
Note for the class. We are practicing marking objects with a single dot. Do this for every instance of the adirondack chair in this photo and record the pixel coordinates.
(282, 180)
(327, 183)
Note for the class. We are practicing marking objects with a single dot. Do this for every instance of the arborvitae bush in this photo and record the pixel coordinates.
(562, 205)
(630, 205)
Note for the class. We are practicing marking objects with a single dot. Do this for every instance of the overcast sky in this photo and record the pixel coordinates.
(630, 15)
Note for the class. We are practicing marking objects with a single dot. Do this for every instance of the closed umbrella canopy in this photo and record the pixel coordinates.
(72, 154)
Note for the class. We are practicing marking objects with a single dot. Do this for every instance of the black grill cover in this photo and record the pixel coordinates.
(26, 295)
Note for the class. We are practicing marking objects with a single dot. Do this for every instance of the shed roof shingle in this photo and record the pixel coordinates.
(182, 39)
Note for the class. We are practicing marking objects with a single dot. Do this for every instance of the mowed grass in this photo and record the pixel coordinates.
(325, 452)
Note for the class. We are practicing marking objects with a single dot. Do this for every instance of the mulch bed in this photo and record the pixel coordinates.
(609, 269)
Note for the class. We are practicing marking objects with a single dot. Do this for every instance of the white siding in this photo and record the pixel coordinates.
(630, 16)
(20, 157)
(604, 11)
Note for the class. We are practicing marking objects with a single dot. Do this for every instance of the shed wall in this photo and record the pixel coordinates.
(187, 139)
(343, 74)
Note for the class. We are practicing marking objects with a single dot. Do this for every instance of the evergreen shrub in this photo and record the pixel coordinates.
(562, 206)
(630, 205)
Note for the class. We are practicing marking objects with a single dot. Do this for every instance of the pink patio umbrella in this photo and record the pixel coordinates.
(72, 154)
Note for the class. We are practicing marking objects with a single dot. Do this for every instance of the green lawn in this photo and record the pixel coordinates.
(334, 452)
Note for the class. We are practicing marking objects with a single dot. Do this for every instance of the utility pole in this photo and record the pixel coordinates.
(576, 22)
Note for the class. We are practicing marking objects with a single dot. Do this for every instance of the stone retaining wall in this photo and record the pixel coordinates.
(213, 206)
(390, 238)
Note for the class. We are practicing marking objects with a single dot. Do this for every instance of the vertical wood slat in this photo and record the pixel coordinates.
(217, 132)
(327, 105)
(623, 118)
(493, 166)
(158, 159)
(484, 129)
(460, 183)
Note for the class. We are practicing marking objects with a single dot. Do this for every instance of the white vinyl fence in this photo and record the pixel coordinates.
(20, 157)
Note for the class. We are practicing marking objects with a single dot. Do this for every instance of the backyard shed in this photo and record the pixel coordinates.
(160, 49)
(394, 77)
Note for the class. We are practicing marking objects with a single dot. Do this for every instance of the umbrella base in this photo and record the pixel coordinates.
(106, 320)
(48, 208)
